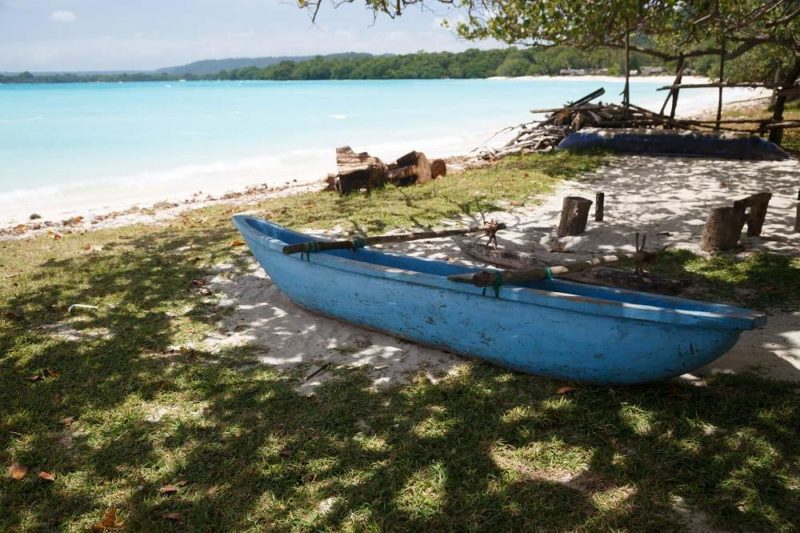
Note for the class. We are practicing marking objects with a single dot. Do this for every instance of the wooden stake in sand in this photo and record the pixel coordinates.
(599, 199)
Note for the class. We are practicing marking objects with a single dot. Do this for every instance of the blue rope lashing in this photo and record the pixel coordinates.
(358, 242)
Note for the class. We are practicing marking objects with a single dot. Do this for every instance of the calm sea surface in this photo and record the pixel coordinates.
(97, 144)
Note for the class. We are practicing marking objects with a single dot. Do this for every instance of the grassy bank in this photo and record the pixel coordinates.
(122, 404)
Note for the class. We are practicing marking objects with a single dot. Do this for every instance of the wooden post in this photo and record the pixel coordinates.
(776, 134)
(721, 81)
(599, 199)
(723, 229)
(626, 93)
(574, 214)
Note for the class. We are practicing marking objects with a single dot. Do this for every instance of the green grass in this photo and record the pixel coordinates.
(485, 449)
(760, 280)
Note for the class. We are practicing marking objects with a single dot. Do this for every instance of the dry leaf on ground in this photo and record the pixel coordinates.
(109, 521)
(168, 489)
(46, 476)
(565, 390)
(175, 517)
(17, 471)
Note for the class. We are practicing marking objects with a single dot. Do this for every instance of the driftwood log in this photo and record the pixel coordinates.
(754, 209)
(486, 278)
(413, 167)
(723, 229)
(574, 214)
(358, 171)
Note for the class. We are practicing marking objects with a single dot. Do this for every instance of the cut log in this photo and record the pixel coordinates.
(754, 209)
(574, 214)
(413, 167)
(438, 168)
(358, 171)
(723, 229)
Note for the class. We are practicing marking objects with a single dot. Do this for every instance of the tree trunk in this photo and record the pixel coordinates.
(776, 134)
(574, 214)
(723, 229)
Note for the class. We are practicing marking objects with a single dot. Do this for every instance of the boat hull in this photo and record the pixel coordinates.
(675, 143)
(573, 342)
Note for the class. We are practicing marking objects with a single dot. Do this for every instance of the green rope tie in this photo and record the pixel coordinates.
(358, 242)
(310, 246)
(548, 274)
(498, 282)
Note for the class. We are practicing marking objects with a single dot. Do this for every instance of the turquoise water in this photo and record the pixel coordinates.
(60, 143)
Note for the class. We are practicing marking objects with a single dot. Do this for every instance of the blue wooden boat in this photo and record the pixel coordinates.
(550, 328)
(679, 143)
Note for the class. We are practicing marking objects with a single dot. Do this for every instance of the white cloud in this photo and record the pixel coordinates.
(62, 15)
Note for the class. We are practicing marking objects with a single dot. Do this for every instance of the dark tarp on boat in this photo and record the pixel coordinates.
(675, 143)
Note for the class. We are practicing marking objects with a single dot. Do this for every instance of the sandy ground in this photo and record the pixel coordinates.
(665, 198)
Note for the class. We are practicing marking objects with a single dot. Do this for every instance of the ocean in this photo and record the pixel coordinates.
(100, 146)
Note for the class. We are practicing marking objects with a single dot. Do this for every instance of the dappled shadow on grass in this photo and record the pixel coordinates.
(761, 280)
(485, 449)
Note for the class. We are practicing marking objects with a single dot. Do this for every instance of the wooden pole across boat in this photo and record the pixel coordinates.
(490, 229)
(496, 278)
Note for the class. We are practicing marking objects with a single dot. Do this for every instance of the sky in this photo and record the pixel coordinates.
(80, 35)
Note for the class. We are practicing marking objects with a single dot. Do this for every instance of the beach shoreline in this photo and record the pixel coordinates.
(160, 207)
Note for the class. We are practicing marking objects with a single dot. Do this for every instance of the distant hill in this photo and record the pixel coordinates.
(208, 67)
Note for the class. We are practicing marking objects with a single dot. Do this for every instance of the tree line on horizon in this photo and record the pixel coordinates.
(469, 64)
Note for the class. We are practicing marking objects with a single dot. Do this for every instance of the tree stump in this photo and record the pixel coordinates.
(723, 229)
(574, 214)
(754, 218)
(358, 171)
